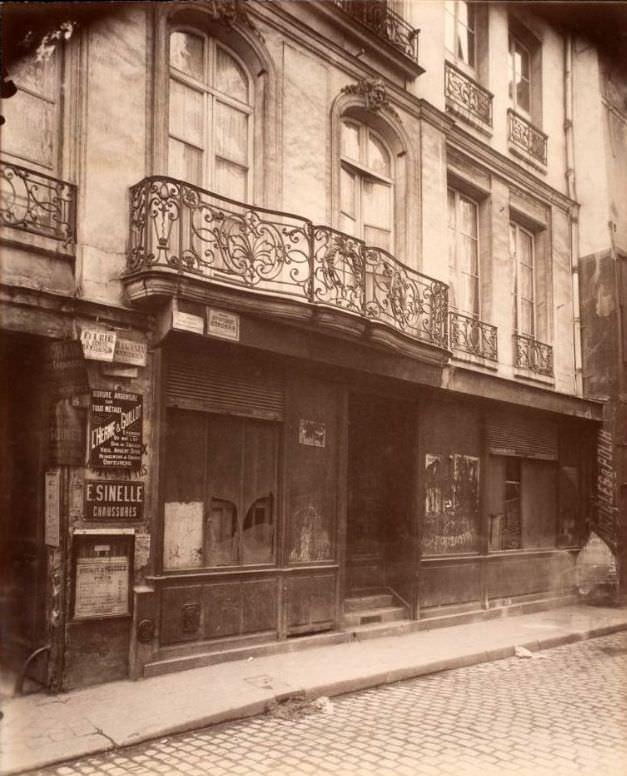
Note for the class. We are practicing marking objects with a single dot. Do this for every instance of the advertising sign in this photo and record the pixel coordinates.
(98, 345)
(115, 430)
(114, 500)
(130, 352)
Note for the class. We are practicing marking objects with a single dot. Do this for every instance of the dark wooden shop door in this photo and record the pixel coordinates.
(379, 543)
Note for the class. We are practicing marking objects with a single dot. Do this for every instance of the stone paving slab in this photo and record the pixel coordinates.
(38, 730)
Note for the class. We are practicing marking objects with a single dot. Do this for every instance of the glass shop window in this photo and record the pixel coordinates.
(522, 499)
(220, 491)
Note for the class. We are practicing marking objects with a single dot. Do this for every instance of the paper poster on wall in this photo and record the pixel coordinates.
(102, 587)
(53, 508)
(183, 534)
(451, 504)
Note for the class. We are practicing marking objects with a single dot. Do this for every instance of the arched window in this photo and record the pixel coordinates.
(210, 115)
(366, 185)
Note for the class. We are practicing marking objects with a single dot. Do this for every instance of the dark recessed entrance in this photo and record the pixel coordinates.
(381, 513)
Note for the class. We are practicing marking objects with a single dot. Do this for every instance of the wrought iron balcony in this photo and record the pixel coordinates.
(37, 203)
(473, 336)
(533, 355)
(178, 227)
(525, 136)
(380, 19)
(467, 94)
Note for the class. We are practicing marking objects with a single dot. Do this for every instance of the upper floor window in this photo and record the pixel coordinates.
(459, 30)
(463, 252)
(366, 185)
(522, 251)
(519, 75)
(30, 134)
(210, 115)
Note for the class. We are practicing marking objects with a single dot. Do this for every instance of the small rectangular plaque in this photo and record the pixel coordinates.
(222, 324)
(98, 345)
(312, 433)
(187, 322)
(130, 352)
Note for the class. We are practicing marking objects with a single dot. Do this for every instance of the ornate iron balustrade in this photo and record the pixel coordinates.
(526, 136)
(473, 336)
(467, 93)
(177, 226)
(533, 355)
(384, 22)
(37, 203)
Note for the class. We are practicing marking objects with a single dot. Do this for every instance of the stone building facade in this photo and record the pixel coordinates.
(290, 319)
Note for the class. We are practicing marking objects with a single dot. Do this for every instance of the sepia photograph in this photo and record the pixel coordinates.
(313, 388)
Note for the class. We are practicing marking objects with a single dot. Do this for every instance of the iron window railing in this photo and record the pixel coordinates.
(467, 93)
(473, 336)
(524, 135)
(380, 19)
(177, 226)
(533, 355)
(37, 203)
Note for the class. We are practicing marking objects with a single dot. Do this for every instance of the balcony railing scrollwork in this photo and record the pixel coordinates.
(34, 202)
(468, 94)
(177, 226)
(473, 336)
(380, 19)
(524, 135)
(533, 355)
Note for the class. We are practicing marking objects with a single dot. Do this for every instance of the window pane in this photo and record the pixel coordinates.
(38, 76)
(185, 162)
(468, 217)
(522, 59)
(378, 156)
(376, 204)
(347, 192)
(522, 95)
(231, 180)
(230, 77)
(526, 318)
(378, 238)
(350, 140)
(231, 133)
(525, 247)
(258, 533)
(187, 54)
(450, 198)
(221, 536)
(468, 303)
(449, 26)
(525, 282)
(186, 113)
(29, 128)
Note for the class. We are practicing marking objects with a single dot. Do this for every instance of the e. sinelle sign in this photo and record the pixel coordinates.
(114, 500)
(115, 430)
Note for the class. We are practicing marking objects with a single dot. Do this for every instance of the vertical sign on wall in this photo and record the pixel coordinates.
(52, 533)
(115, 430)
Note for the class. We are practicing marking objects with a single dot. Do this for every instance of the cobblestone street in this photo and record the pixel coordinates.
(563, 712)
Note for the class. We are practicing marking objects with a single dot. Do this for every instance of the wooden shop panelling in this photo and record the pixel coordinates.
(222, 609)
(515, 576)
(310, 602)
(259, 606)
(312, 452)
(451, 583)
(181, 614)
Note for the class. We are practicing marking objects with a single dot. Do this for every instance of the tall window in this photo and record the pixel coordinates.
(210, 117)
(459, 30)
(366, 186)
(463, 252)
(522, 251)
(519, 75)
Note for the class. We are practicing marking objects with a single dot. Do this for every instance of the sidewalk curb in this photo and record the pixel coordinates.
(339, 687)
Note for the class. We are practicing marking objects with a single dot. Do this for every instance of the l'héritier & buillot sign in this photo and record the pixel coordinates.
(115, 430)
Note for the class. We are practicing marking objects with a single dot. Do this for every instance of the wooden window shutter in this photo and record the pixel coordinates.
(223, 384)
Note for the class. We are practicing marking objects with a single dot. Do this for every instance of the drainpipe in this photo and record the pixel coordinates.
(571, 188)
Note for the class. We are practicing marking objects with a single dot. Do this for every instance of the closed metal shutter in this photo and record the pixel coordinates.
(509, 433)
(219, 383)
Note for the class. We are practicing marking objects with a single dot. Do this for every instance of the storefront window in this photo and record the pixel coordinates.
(220, 491)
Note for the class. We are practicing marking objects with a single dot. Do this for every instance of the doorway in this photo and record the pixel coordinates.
(23, 433)
(380, 536)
